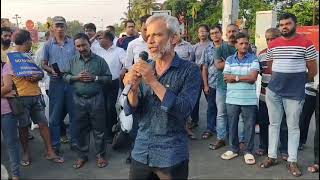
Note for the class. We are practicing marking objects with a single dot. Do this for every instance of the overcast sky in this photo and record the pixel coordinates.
(110, 11)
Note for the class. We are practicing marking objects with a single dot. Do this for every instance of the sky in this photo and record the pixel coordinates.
(99, 12)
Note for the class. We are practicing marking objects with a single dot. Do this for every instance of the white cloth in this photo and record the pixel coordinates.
(135, 47)
(114, 57)
(44, 82)
(115, 40)
(95, 46)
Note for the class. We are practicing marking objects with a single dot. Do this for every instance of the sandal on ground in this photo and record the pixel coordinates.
(261, 152)
(314, 168)
(101, 162)
(25, 161)
(56, 159)
(79, 163)
(268, 162)
(217, 145)
(192, 137)
(284, 157)
(249, 159)
(206, 135)
(294, 169)
(229, 155)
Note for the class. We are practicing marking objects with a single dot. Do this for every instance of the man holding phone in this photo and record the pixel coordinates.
(58, 51)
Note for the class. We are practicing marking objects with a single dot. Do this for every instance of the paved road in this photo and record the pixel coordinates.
(204, 163)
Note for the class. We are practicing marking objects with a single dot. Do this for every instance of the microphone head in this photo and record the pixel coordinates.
(144, 55)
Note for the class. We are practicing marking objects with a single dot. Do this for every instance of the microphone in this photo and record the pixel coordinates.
(143, 56)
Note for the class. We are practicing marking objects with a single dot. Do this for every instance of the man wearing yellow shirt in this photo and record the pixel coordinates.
(30, 95)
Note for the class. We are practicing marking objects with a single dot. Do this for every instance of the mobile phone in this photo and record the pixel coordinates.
(56, 68)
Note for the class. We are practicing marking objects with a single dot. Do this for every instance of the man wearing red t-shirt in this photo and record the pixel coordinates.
(288, 56)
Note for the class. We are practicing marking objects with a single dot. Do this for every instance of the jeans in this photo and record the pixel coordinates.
(195, 112)
(222, 118)
(9, 128)
(60, 104)
(277, 105)
(249, 116)
(143, 171)
(263, 121)
(316, 134)
(305, 117)
(211, 111)
(241, 133)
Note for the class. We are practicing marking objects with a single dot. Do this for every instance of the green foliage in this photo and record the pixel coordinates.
(304, 12)
(74, 27)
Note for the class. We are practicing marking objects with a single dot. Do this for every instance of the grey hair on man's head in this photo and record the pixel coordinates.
(172, 22)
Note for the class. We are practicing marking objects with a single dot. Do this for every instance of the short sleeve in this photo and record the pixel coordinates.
(311, 53)
(255, 65)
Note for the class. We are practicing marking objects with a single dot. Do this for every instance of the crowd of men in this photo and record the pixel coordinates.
(85, 74)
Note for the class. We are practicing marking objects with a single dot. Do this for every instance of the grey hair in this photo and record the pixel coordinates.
(171, 22)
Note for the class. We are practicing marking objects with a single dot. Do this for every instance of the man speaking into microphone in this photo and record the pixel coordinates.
(160, 99)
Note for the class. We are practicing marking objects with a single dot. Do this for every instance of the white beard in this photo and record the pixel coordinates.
(162, 51)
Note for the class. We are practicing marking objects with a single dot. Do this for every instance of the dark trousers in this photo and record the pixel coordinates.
(142, 171)
(263, 121)
(90, 115)
(195, 112)
(248, 114)
(211, 111)
(316, 135)
(110, 93)
(305, 117)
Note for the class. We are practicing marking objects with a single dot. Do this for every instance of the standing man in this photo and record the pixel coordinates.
(113, 31)
(184, 50)
(114, 56)
(90, 30)
(58, 51)
(210, 75)
(203, 34)
(6, 34)
(130, 34)
(161, 103)
(30, 95)
(286, 89)
(240, 74)
(263, 117)
(88, 73)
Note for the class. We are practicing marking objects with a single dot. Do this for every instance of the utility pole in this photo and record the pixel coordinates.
(129, 10)
(17, 17)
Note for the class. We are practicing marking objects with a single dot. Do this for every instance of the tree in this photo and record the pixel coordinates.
(74, 27)
(304, 12)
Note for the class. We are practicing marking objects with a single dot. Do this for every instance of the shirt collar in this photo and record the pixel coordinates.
(92, 55)
(140, 39)
(55, 40)
(245, 56)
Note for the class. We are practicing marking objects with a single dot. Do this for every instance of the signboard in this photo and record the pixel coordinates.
(23, 65)
(168, 12)
(312, 33)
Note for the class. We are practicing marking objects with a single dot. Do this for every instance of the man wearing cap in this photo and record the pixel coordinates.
(58, 51)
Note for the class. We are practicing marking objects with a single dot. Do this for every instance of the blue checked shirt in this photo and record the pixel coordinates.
(207, 59)
(162, 140)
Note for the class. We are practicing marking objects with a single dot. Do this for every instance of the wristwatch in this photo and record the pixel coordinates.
(237, 78)
(97, 78)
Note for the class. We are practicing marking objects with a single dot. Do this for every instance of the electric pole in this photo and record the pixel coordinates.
(129, 10)
(17, 17)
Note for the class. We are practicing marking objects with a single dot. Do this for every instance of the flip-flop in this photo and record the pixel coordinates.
(79, 164)
(249, 159)
(101, 163)
(229, 155)
(24, 162)
(314, 168)
(56, 159)
(192, 137)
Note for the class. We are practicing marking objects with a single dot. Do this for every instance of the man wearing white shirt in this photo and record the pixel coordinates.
(113, 31)
(90, 31)
(114, 56)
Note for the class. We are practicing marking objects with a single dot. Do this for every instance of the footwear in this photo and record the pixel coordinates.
(268, 162)
(79, 163)
(249, 159)
(206, 135)
(314, 168)
(294, 169)
(101, 162)
(284, 156)
(261, 152)
(218, 144)
(257, 129)
(229, 155)
(64, 139)
(25, 161)
(56, 159)
(30, 136)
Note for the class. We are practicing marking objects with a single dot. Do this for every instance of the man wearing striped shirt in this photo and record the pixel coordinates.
(289, 57)
(240, 73)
